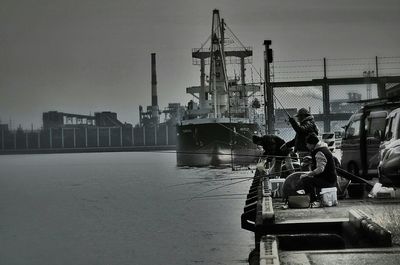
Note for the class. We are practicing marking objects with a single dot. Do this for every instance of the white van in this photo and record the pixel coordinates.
(362, 138)
(357, 153)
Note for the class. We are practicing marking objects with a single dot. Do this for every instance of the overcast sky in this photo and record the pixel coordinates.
(83, 56)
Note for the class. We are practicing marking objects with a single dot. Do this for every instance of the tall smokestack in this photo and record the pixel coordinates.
(153, 81)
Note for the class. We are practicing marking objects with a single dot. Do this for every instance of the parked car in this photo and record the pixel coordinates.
(389, 151)
(362, 139)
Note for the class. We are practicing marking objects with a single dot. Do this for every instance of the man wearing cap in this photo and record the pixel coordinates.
(323, 174)
(305, 126)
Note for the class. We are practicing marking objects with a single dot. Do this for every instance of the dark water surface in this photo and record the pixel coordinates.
(118, 208)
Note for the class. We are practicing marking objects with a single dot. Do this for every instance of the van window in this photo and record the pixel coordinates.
(353, 130)
(398, 129)
(375, 124)
(389, 129)
(393, 128)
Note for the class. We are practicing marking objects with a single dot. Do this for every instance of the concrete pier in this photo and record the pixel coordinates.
(356, 231)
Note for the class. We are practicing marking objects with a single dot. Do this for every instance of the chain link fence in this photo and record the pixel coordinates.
(342, 98)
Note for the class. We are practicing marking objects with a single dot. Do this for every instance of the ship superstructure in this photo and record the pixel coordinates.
(217, 129)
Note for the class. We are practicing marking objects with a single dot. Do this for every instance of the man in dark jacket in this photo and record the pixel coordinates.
(271, 145)
(305, 127)
(323, 174)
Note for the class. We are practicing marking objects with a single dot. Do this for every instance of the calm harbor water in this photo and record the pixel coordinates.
(118, 208)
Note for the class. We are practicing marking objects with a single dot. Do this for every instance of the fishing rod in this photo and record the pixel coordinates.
(225, 195)
(222, 154)
(237, 182)
(222, 196)
(211, 197)
(241, 135)
(223, 179)
(206, 181)
(220, 187)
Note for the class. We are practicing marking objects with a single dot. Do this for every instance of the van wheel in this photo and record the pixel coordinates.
(353, 169)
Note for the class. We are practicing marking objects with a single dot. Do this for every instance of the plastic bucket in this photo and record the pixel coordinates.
(329, 196)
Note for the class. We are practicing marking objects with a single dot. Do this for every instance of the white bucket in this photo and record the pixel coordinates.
(277, 187)
(329, 196)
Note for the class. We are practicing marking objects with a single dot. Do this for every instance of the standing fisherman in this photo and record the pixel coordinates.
(304, 127)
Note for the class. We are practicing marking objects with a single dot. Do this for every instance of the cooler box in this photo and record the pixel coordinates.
(329, 196)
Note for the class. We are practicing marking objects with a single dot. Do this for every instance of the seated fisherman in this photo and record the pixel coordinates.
(323, 174)
(271, 145)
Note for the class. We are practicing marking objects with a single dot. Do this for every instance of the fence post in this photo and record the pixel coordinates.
(86, 145)
(144, 135)
(109, 136)
(98, 137)
(325, 101)
(120, 136)
(268, 91)
(74, 138)
(51, 137)
(2, 139)
(155, 135)
(166, 134)
(133, 136)
(62, 137)
(381, 85)
(15, 140)
(26, 141)
(38, 139)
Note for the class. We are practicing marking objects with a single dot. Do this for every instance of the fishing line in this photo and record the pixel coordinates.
(220, 187)
(206, 181)
(227, 198)
(247, 138)
(223, 154)
(237, 182)
(223, 195)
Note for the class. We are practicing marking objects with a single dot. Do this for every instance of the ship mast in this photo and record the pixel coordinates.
(215, 97)
(217, 66)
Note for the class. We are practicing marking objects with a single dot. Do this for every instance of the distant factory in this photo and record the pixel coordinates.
(55, 119)
(68, 132)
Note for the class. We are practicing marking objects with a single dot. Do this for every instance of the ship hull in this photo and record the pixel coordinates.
(216, 144)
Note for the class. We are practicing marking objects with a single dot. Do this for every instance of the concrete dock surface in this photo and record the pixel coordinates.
(385, 212)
